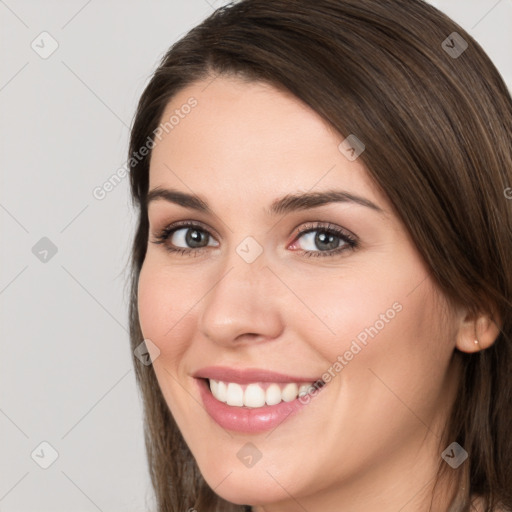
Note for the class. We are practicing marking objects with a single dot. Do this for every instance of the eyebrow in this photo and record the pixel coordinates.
(285, 204)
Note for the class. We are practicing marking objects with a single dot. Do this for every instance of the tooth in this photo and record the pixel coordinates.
(304, 389)
(273, 395)
(254, 396)
(221, 392)
(289, 392)
(235, 394)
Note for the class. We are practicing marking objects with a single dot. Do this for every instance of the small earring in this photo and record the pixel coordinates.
(476, 341)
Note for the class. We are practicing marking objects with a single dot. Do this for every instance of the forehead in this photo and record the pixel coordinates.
(250, 139)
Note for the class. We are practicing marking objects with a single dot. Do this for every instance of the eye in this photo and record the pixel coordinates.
(185, 238)
(318, 240)
(190, 238)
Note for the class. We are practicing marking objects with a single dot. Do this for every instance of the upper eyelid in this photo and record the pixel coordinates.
(184, 224)
(327, 226)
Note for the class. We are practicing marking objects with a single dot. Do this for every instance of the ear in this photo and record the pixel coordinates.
(482, 327)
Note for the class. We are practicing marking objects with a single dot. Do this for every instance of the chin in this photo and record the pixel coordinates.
(247, 489)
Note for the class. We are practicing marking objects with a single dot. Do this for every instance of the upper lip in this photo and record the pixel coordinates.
(248, 375)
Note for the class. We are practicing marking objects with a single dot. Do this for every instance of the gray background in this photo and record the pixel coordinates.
(66, 374)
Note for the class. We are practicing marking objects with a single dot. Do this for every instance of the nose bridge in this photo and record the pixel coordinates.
(245, 268)
(242, 297)
(238, 278)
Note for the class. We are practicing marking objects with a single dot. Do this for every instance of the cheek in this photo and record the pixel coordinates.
(386, 319)
(163, 303)
(393, 350)
(354, 307)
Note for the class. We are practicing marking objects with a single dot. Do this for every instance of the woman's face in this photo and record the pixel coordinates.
(275, 291)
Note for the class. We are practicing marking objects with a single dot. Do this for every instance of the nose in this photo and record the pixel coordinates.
(243, 304)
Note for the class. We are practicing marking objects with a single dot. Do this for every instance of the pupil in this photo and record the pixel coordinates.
(327, 239)
(194, 238)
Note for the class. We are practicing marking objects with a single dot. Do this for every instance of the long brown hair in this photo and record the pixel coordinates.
(437, 126)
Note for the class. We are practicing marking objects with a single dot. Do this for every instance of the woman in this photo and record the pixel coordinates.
(321, 268)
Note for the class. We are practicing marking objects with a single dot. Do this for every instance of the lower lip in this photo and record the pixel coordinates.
(247, 419)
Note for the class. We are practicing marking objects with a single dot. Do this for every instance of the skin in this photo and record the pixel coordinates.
(369, 440)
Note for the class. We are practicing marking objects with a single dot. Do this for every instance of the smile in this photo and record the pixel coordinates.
(253, 401)
(257, 394)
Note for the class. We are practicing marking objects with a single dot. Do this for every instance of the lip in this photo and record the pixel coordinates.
(248, 375)
(248, 420)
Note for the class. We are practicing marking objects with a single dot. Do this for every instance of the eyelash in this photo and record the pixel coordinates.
(350, 240)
